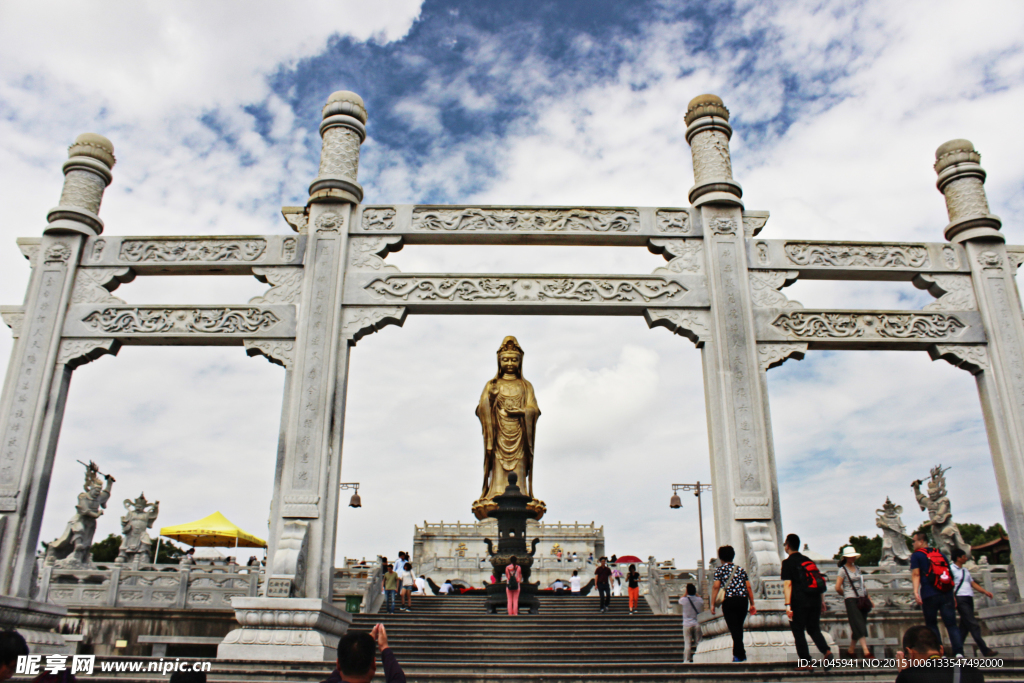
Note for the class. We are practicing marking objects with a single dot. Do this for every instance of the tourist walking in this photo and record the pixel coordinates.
(390, 582)
(692, 605)
(601, 576)
(737, 598)
(933, 590)
(633, 587)
(574, 582)
(917, 661)
(965, 585)
(804, 585)
(850, 585)
(407, 581)
(513, 584)
(357, 658)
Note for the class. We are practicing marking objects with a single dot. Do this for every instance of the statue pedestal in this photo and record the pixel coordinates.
(767, 637)
(35, 621)
(285, 629)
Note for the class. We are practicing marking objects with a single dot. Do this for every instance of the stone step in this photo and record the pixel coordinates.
(623, 671)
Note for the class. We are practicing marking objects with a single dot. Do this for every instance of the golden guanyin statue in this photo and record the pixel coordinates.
(508, 414)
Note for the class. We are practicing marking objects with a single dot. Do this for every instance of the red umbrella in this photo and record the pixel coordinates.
(629, 559)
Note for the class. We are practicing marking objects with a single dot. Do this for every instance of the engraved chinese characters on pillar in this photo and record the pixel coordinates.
(38, 328)
(740, 379)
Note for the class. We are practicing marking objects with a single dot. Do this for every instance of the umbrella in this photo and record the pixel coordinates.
(212, 531)
(629, 559)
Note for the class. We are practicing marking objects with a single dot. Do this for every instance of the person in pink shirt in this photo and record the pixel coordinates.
(513, 584)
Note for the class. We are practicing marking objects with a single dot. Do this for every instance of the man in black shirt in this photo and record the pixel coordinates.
(601, 576)
(803, 604)
(924, 662)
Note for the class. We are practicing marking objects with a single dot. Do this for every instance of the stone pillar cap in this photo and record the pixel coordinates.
(347, 103)
(955, 152)
(95, 146)
(706, 105)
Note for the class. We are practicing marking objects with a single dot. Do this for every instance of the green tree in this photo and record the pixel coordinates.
(106, 550)
(169, 553)
(870, 549)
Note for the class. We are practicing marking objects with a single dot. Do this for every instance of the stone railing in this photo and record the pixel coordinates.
(657, 590)
(894, 590)
(464, 527)
(373, 594)
(168, 586)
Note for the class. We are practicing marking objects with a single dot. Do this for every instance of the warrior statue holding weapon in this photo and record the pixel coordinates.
(73, 549)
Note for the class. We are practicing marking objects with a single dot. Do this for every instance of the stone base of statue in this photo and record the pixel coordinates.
(766, 637)
(36, 622)
(483, 508)
(285, 629)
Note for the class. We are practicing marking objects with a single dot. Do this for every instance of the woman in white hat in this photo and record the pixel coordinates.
(850, 585)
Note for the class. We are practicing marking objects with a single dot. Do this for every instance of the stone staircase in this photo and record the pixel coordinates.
(451, 639)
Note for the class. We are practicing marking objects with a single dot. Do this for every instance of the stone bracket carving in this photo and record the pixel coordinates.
(764, 286)
(290, 560)
(954, 292)
(359, 321)
(368, 253)
(77, 352)
(14, 318)
(683, 256)
(277, 351)
(762, 555)
(694, 325)
(29, 248)
(297, 217)
(1016, 255)
(971, 357)
(94, 285)
(754, 222)
(285, 281)
(773, 355)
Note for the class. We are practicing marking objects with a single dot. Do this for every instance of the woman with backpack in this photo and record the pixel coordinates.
(850, 585)
(513, 581)
(737, 597)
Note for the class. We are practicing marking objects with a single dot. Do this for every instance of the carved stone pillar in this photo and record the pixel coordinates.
(708, 132)
(304, 509)
(1001, 383)
(35, 390)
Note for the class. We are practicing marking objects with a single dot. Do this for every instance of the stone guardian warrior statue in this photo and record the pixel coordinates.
(72, 549)
(894, 534)
(136, 546)
(945, 532)
(508, 413)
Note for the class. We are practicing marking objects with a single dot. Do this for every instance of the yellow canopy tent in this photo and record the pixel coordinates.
(212, 531)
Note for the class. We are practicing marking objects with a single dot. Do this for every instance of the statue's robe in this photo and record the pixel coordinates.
(510, 437)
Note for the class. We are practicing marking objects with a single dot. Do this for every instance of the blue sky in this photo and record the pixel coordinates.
(838, 108)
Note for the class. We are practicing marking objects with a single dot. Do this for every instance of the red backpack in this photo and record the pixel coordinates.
(813, 581)
(938, 574)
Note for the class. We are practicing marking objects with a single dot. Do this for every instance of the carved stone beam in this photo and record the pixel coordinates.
(845, 329)
(971, 357)
(206, 325)
(694, 325)
(199, 255)
(359, 321)
(525, 294)
(856, 260)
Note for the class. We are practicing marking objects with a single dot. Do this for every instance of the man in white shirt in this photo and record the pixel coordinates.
(692, 605)
(965, 585)
(421, 585)
(574, 582)
(447, 587)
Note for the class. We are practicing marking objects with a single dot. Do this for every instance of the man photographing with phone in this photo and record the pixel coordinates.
(357, 658)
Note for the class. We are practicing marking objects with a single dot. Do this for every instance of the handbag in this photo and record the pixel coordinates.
(720, 598)
(863, 601)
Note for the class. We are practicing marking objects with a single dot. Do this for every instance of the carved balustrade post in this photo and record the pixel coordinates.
(742, 458)
(304, 510)
(35, 388)
(1001, 380)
